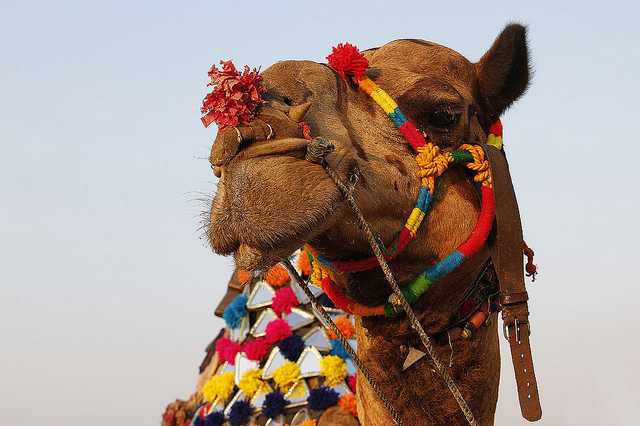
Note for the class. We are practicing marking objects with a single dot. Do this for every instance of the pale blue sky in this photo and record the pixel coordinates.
(106, 291)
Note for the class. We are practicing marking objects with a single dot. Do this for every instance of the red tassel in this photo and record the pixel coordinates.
(496, 128)
(347, 61)
(531, 268)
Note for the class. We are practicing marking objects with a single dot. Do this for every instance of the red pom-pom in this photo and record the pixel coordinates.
(235, 96)
(227, 349)
(496, 128)
(347, 61)
(256, 349)
(277, 330)
(351, 381)
(284, 300)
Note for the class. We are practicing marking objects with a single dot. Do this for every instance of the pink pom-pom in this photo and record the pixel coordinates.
(256, 349)
(227, 349)
(347, 61)
(277, 330)
(351, 381)
(283, 301)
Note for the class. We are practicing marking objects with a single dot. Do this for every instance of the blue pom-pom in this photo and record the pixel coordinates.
(273, 405)
(337, 348)
(235, 311)
(291, 347)
(214, 419)
(240, 413)
(322, 398)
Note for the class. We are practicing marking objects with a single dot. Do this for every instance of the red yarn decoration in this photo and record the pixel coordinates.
(234, 98)
(277, 330)
(347, 61)
(351, 381)
(256, 349)
(496, 128)
(306, 130)
(227, 349)
(283, 301)
(339, 299)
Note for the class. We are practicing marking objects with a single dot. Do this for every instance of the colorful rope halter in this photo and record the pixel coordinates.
(348, 62)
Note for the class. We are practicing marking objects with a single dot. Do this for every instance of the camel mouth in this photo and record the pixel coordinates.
(269, 202)
(253, 250)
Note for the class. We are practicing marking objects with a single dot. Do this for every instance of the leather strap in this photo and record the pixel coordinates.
(509, 266)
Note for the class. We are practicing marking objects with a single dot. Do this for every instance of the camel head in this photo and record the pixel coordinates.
(270, 200)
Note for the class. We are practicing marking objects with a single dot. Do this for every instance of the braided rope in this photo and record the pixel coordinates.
(432, 164)
(480, 164)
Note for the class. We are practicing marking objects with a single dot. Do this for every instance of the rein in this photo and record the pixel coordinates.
(402, 302)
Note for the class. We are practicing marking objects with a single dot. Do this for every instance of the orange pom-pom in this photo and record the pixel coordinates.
(243, 276)
(345, 325)
(303, 264)
(348, 402)
(277, 276)
(309, 422)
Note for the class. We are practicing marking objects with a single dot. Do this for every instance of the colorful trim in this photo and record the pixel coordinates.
(425, 280)
(418, 142)
(348, 62)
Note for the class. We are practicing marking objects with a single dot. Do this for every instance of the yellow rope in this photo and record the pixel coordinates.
(432, 164)
(480, 165)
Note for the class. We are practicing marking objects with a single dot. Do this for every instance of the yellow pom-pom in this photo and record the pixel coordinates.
(334, 369)
(251, 382)
(286, 376)
(218, 387)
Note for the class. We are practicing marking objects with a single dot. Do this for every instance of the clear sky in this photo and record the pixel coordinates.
(106, 289)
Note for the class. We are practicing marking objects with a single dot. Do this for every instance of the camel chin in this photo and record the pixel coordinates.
(251, 258)
(267, 206)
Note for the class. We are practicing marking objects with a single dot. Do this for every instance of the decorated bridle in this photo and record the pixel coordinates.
(432, 162)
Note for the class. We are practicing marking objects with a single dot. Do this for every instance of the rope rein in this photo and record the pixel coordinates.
(415, 323)
(345, 342)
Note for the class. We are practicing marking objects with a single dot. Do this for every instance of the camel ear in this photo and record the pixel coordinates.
(503, 72)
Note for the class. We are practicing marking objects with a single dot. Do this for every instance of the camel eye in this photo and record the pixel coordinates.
(443, 117)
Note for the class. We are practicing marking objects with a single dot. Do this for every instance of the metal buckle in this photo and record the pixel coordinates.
(505, 330)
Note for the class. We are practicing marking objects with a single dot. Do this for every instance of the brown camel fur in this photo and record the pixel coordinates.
(270, 201)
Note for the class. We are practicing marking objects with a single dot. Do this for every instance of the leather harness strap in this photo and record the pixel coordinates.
(508, 260)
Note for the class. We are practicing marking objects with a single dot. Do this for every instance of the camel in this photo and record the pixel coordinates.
(271, 201)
